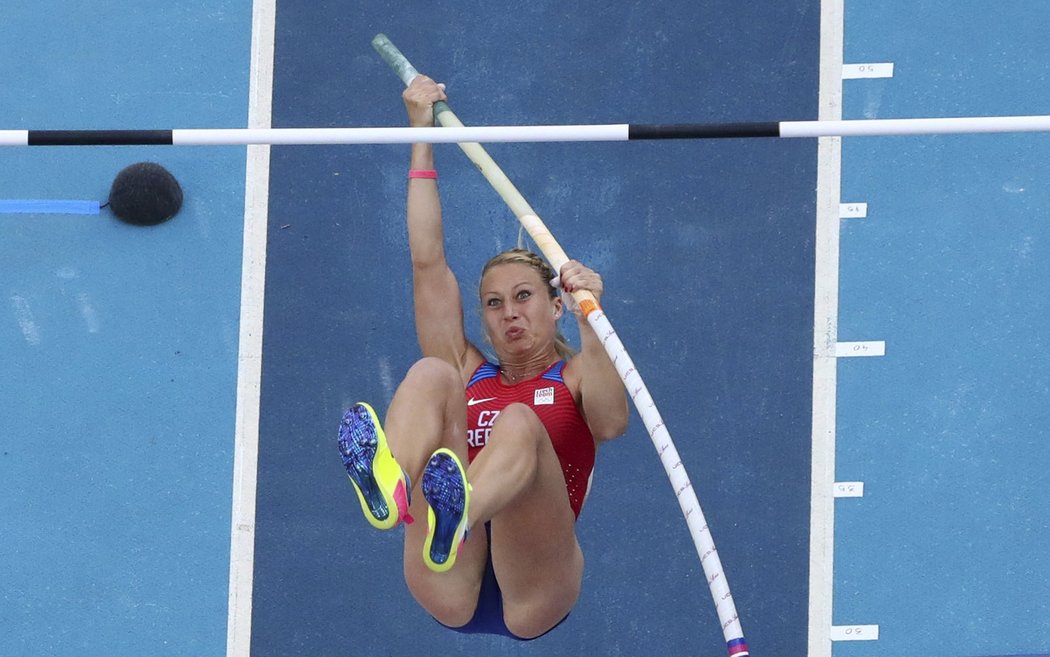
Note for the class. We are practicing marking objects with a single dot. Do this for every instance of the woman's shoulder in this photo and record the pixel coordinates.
(486, 370)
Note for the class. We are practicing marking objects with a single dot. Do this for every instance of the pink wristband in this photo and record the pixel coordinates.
(423, 173)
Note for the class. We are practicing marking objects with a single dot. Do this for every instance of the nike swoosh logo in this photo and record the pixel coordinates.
(472, 401)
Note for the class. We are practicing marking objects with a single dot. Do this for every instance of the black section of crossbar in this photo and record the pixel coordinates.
(99, 137)
(703, 131)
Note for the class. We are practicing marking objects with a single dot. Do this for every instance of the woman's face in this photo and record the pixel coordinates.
(519, 314)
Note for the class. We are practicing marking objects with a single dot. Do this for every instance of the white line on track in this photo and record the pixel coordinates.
(249, 358)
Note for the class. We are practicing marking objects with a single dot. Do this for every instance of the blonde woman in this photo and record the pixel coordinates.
(503, 450)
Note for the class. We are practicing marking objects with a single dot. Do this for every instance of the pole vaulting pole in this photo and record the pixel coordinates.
(694, 516)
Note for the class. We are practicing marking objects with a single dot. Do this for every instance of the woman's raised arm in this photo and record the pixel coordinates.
(438, 306)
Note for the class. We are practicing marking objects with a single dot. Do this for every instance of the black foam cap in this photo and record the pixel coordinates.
(145, 194)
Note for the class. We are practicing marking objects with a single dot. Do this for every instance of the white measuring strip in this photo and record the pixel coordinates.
(859, 71)
(855, 633)
(848, 489)
(860, 349)
(853, 210)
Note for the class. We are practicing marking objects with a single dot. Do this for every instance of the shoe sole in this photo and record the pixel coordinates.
(371, 466)
(446, 518)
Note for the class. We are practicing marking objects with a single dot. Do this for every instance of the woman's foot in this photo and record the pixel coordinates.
(445, 487)
(382, 486)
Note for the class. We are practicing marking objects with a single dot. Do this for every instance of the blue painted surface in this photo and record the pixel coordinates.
(45, 206)
(119, 343)
(706, 249)
(947, 550)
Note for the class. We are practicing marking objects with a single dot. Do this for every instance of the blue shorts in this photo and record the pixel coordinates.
(488, 616)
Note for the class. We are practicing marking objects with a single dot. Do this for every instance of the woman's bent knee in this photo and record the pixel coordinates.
(451, 604)
(433, 369)
(447, 614)
(434, 378)
(521, 420)
(533, 621)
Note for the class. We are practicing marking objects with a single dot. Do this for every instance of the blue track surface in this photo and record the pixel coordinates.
(947, 550)
(707, 253)
(119, 345)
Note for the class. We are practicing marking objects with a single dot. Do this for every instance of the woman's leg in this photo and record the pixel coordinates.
(518, 483)
(429, 411)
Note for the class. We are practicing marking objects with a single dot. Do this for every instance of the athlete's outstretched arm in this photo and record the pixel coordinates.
(438, 306)
(601, 391)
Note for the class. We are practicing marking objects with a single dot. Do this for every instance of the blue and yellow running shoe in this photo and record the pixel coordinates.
(445, 486)
(382, 486)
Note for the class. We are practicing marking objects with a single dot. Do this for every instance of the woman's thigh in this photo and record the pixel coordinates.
(535, 554)
(450, 596)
